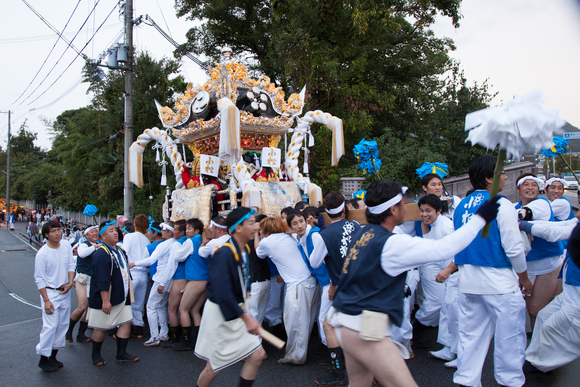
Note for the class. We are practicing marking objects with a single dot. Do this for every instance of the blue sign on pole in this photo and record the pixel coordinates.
(572, 135)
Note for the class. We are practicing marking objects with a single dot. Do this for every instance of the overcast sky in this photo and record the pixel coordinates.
(517, 45)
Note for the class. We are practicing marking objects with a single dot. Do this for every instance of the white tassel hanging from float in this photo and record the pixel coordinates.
(305, 168)
(163, 164)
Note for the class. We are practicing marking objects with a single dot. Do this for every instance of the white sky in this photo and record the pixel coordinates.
(519, 45)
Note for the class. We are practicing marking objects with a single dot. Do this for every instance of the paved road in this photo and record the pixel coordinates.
(20, 324)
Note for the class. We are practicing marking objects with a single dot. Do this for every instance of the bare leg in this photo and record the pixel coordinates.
(82, 301)
(99, 335)
(174, 300)
(358, 374)
(544, 289)
(206, 376)
(250, 369)
(124, 331)
(331, 340)
(192, 293)
(378, 358)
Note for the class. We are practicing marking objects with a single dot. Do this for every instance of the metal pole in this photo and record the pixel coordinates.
(8, 170)
(128, 192)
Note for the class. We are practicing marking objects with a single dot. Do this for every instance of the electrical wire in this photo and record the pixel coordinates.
(50, 25)
(74, 59)
(51, 50)
(38, 38)
(58, 61)
(173, 42)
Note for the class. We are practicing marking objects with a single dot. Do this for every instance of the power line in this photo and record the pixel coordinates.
(173, 42)
(37, 38)
(74, 59)
(61, 56)
(50, 25)
(51, 50)
(79, 81)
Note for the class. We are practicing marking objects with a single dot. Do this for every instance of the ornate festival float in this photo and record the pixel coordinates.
(233, 125)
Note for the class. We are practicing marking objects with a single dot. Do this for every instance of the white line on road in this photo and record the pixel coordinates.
(18, 298)
(24, 240)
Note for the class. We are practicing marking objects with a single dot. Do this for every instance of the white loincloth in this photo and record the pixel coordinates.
(223, 343)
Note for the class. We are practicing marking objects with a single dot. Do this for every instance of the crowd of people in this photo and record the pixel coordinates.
(209, 288)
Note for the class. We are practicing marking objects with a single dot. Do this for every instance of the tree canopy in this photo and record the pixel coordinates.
(375, 64)
(85, 164)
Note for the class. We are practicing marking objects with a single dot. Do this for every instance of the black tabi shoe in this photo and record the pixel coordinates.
(46, 365)
(185, 344)
(333, 378)
(81, 338)
(122, 355)
(96, 356)
(52, 358)
(419, 337)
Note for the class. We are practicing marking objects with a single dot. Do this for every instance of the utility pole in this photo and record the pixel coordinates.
(8, 168)
(128, 192)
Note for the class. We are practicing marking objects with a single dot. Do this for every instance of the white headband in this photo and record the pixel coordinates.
(89, 229)
(388, 204)
(336, 210)
(538, 181)
(165, 226)
(214, 224)
(557, 179)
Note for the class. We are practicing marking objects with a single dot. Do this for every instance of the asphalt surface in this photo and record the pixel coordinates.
(20, 324)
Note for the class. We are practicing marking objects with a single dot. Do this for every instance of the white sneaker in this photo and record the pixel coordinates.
(152, 342)
(163, 338)
(451, 364)
(443, 354)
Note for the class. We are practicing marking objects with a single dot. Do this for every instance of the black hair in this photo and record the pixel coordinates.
(294, 214)
(119, 234)
(378, 193)
(299, 206)
(431, 200)
(156, 225)
(310, 210)
(260, 217)
(354, 203)
(196, 224)
(425, 180)
(49, 226)
(237, 214)
(180, 225)
(480, 169)
(333, 200)
(287, 210)
(129, 227)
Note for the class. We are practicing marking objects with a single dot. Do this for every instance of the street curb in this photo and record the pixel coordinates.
(25, 236)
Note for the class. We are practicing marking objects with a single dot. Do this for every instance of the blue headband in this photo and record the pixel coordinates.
(245, 217)
(102, 230)
(125, 230)
(151, 221)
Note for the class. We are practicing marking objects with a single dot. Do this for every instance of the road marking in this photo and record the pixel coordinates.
(25, 241)
(18, 298)
(20, 322)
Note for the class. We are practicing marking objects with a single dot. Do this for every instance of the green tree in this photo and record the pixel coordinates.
(375, 64)
(89, 140)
